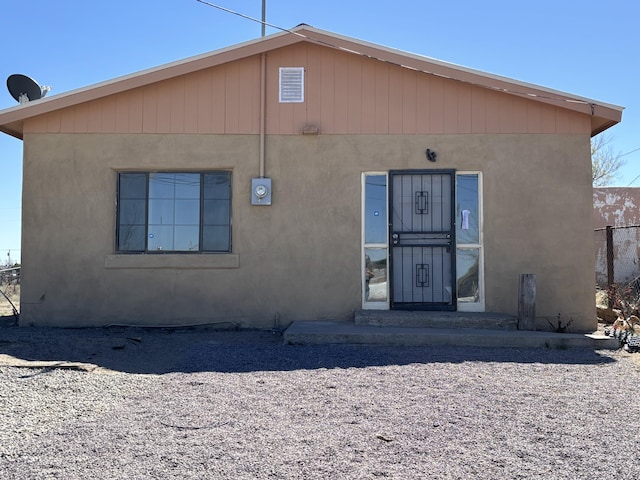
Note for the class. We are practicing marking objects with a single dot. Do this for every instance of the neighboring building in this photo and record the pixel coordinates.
(398, 181)
(617, 207)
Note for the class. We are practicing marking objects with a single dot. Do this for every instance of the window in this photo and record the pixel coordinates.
(469, 264)
(375, 224)
(174, 212)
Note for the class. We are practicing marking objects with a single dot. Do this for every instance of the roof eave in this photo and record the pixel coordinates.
(16, 114)
(599, 124)
(14, 129)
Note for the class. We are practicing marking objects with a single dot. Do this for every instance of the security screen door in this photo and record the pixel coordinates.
(422, 239)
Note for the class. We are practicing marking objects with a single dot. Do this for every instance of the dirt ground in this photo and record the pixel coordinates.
(117, 349)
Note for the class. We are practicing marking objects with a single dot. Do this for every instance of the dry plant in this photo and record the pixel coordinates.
(9, 298)
(625, 297)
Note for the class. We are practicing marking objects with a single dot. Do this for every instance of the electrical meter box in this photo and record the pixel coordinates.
(260, 191)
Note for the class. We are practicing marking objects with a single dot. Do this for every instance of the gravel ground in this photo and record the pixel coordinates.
(241, 405)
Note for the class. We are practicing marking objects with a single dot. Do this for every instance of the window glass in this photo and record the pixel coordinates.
(161, 211)
(186, 238)
(375, 274)
(467, 211)
(217, 186)
(131, 238)
(468, 272)
(161, 185)
(132, 211)
(172, 212)
(187, 185)
(160, 238)
(132, 192)
(187, 212)
(216, 212)
(133, 185)
(375, 209)
(216, 239)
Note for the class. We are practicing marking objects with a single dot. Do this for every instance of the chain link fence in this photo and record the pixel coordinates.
(10, 292)
(618, 265)
(9, 275)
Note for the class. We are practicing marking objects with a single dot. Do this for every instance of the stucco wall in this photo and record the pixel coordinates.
(298, 259)
(617, 207)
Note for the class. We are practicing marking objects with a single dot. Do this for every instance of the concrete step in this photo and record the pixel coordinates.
(335, 332)
(400, 318)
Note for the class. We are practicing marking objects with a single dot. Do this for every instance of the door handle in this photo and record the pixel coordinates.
(394, 238)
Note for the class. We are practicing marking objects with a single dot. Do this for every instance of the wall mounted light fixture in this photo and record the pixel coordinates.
(431, 155)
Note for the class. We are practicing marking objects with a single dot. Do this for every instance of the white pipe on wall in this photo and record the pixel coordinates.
(263, 109)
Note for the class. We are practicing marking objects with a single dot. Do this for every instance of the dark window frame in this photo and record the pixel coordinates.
(120, 249)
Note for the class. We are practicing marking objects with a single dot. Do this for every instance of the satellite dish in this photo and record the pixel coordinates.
(25, 89)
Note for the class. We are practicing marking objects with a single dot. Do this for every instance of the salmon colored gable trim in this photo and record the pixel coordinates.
(345, 94)
(602, 115)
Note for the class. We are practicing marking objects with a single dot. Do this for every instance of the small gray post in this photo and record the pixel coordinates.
(527, 302)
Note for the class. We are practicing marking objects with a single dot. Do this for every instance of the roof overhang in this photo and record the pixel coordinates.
(603, 115)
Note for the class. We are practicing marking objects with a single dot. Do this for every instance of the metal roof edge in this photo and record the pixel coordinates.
(564, 96)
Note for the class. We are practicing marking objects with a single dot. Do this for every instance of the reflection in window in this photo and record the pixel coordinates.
(174, 212)
(375, 274)
(467, 211)
(468, 271)
(469, 251)
(375, 206)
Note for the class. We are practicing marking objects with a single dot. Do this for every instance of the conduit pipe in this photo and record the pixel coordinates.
(263, 109)
(263, 89)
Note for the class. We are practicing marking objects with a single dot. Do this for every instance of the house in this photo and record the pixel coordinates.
(304, 176)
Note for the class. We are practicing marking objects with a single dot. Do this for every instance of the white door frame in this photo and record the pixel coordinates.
(373, 305)
(385, 305)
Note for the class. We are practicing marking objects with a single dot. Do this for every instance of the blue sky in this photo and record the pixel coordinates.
(587, 48)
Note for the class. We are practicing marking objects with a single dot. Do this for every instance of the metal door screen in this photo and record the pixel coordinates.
(422, 240)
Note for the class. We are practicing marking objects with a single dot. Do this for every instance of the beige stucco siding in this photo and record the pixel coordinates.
(300, 257)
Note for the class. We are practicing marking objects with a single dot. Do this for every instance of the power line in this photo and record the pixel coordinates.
(247, 17)
(631, 182)
(348, 50)
(629, 153)
(624, 155)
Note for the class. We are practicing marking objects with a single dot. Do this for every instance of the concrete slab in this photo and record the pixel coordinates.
(401, 318)
(335, 332)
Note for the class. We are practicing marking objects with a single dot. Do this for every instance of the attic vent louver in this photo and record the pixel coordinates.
(291, 84)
